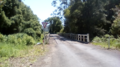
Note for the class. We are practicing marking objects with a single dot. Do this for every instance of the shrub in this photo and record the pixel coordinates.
(12, 39)
(30, 41)
(107, 35)
(118, 45)
(97, 39)
(18, 39)
(3, 38)
(30, 32)
(23, 38)
(113, 41)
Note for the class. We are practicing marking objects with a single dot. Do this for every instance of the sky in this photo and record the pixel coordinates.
(42, 8)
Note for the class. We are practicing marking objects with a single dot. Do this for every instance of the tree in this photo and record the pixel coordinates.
(96, 17)
(1, 4)
(86, 17)
(55, 24)
(115, 28)
(16, 17)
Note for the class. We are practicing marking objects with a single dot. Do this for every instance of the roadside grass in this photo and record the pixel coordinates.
(105, 40)
(105, 45)
(9, 52)
(102, 44)
(19, 46)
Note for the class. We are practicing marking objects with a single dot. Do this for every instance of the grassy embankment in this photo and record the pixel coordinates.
(105, 40)
(18, 46)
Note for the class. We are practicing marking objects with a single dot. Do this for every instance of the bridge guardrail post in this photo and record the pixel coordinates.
(83, 38)
(80, 38)
(88, 38)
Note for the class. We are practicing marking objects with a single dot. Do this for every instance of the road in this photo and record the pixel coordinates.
(68, 53)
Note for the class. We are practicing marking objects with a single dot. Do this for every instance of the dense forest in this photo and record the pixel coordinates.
(16, 17)
(96, 17)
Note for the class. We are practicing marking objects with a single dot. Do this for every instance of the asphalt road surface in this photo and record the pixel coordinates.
(68, 53)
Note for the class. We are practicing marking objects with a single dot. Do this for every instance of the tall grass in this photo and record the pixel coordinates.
(11, 45)
(17, 39)
(103, 41)
(10, 50)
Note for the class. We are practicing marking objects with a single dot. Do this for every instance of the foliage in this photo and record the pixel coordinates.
(103, 41)
(1, 4)
(18, 45)
(97, 39)
(22, 53)
(17, 39)
(19, 28)
(55, 24)
(85, 18)
(9, 50)
(61, 31)
(16, 17)
(30, 32)
(12, 45)
(115, 28)
(96, 17)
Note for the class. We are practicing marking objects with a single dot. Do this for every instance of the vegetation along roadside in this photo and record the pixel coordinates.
(20, 30)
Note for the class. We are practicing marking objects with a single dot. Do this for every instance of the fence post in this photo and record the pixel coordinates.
(80, 38)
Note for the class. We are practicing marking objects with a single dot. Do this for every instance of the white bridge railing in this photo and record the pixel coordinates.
(78, 37)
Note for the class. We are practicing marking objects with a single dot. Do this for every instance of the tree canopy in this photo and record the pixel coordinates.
(16, 17)
(55, 24)
(95, 17)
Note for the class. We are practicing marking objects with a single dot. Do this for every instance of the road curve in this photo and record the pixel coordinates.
(68, 53)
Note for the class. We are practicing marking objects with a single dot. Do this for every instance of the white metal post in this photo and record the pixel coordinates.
(88, 38)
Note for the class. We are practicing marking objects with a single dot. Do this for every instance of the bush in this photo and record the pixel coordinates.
(12, 39)
(113, 41)
(18, 39)
(24, 39)
(97, 39)
(3, 38)
(11, 45)
(30, 41)
(30, 32)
